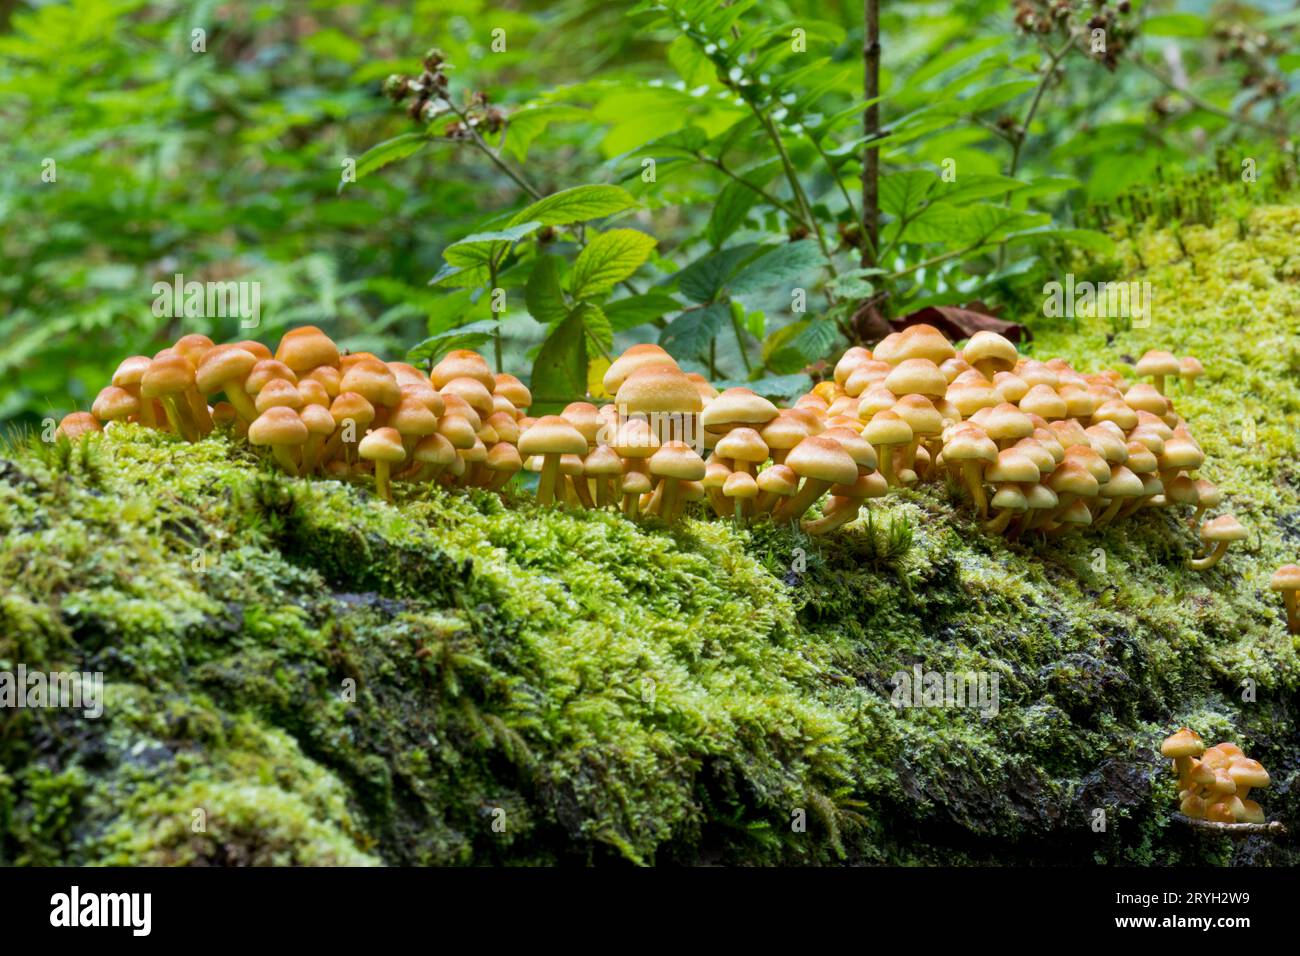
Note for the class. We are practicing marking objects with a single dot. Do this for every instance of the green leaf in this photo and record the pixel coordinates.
(1174, 25)
(607, 260)
(688, 336)
(527, 124)
(389, 151)
(579, 204)
(994, 96)
(815, 340)
(600, 336)
(465, 337)
(484, 247)
(854, 284)
(543, 294)
(704, 279)
(774, 387)
(1087, 239)
(729, 212)
(785, 265)
(903, 194)
(636, 310)
(560, 369)
(691, 63)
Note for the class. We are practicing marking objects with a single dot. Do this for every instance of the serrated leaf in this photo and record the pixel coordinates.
(579, 204)
(543, 295)
(389, 151)
(484, 247)
(785, 265)
(815, 340)
(527, 124)
(464, 337)
(607, 260)
(773, 387)
(729, 212)
(688, 335)
(704, 279)
(903, 194)
(600, 336)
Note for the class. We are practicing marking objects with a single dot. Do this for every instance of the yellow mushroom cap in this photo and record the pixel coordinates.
(1043, 400)
(1157, 362)
(131, 370)
(920, 341)
(1248, 773)
(318, 419)
(382, 444)
(474, 393)
(1286, 578)
(676, 459)
(349, 406)
(779, 480)
(1012, 466)
(740, 484)
(646, 353)
(552, 435)
(222, 364)
(113, 403)
(989, 347)
(462, 363)
(917, 376)
(168, 374)
(742, 444)
(304, 348)
(659, 388)
(824, 460)
(738, 406)
(1222, 528)
(887, 428)
(512, 389)
(602, 460)
(969, 443)
(278, 426)
(76, 424)
(859, 448)
(1183, 743)
(434, 450)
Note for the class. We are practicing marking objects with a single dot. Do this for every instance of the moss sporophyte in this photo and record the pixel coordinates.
(297, 672)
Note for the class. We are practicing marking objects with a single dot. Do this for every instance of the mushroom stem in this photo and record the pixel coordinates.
(970, 474)
(499, 479)
(148, 412)
(1112, 509)
(602, 491)
(1159, 382)
(382, 486)
(546, 483)
(887, 464)
(794, 506)
(1054, 515)
(631, 504)
(310, 453)
(244, 406)
(285, 458)
(668, 503)
(179, 417)
(1211, 559)
(198, 406)
(832, 520)
(579, 484)
(1292, 611)
(999, 523)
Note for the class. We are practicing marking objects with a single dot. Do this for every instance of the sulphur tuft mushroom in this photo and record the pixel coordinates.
(383, 446)
(1218, 534)
(551, 437)
(1287, 580)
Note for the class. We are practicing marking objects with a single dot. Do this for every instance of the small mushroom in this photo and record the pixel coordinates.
(1219, 533)
(283, 431)
(1189, 370)
(383, 446)
(551, 437)
(1287, 580)
(1157, 365)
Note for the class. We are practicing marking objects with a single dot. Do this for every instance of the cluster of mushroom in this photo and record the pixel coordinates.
(318, 411)
(1042, 446)
(1215, 783)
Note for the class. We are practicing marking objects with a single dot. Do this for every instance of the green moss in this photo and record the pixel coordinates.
(333, 680)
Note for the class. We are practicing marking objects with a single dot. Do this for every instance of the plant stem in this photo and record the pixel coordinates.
(871, 128)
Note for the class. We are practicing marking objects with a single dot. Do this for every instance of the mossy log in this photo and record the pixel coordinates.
(299, 673)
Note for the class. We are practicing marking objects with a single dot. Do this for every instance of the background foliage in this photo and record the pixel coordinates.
(228, 163)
